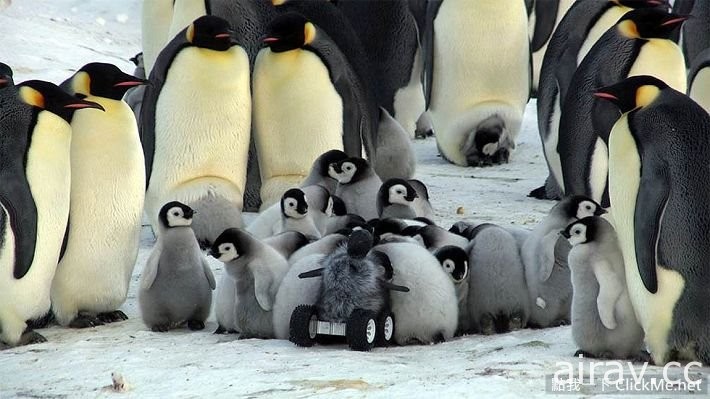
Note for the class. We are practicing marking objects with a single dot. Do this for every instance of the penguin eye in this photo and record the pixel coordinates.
(399, 192)
(176, 213)
(577, 232)
(589, 207)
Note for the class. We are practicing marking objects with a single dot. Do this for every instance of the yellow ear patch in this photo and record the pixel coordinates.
(277, 3)
(646, 95)
(81, 84)
(629, 29)
(32, 97)
(309, 33)
(190, 34)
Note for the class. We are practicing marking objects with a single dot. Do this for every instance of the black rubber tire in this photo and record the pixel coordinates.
(361, 330)
(382, 323)
(299, 326)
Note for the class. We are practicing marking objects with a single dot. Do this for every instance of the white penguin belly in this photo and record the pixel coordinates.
(409, 103)
(610, 17)
(203, 123)
(476, 74)
(700, 91)
(108, 183)
(663, 59)
(599, 170)
(155, 24)
(654, 311)
(49, 176)
(298, 115)
(550, 145)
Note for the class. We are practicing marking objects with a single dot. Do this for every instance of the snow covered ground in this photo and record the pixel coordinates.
(49, 39)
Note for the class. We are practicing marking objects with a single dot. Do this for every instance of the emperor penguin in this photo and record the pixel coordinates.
(134, 95)
(302, 72)
(6, 73)
(603, 320)
(34, 198)
(544, 255)
(156, 17)
(394, 156)
(699, 80)
(319, 170)
(696, 32)
(395, 199)
(295, 215)
(196, 122)
(257, 270)
(581, 27)
(479, 75)
(546, 15)
(633, 46)
(358, 185)
(658, 153)
(269, 221)
(105, 222)
(388, 31)
(177, 282)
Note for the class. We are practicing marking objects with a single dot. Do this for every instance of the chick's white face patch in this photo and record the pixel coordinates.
(176, 217)
(398, 194)
(227, 252)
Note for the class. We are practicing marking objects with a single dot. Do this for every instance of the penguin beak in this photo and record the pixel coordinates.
(676, 21)
(80, 104)
(656, 2)
(411, 197)
(226, 35)
(565, 234)
(131, 83)
(213, 253)
(3, 81)
(302, 209)
(600, 211)
(606, 96)
(270, 40)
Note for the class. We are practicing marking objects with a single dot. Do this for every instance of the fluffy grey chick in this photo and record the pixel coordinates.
(358, 185)
(268, 222)
(603, 320)
(497, 298)
(319, 171)
(295, 215)
(545, 257)
(177, 283)
(257, 270)
(454, 261)
(395, 199)
(435, 237)
(394, 154)
(422, 206)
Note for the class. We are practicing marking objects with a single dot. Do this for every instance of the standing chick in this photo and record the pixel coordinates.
(358, 185)
(177, 283)
(603, 320)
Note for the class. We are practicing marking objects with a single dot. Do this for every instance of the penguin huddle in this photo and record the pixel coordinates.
(72, 193)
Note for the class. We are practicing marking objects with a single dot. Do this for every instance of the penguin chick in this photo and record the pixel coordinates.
(603, 320)
(395, 199)
(257, 270)
(435, 237)
(394, 156)
(319, 171)
(268, 222)
(544, 254)
(324, 246)
(295, 215)
(454, 260)
(358, 186)
(177, 283)
(428, 313)
(422, 206)
(498, 298)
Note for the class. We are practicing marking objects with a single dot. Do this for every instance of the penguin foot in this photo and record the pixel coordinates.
(438, 338)
(487, 325)
(42, 322)
(481, 160)
(538, 193)
(195, 325)
(584, 354)
(220, 330)
(160, 327)
(85, 321)
(112, 317)
(643, 357)
(516, 321)
(30, 337)
(560, 323)
(423, 134)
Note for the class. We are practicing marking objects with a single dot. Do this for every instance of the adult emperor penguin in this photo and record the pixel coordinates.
(34, 198)
(658, 178)
(107, 193)
(196, 120)
(638, 44)
(134, 95)
(583, 24)
(699, 80)
(480, 78)
(155, 24)
(546, 15)
(302, 72)
(696, 32)
(388, 30)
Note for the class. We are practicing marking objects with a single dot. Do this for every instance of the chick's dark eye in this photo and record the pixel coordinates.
(176, 214)
(577, 232)
(589, 208)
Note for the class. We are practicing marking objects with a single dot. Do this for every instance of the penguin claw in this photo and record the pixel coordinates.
(31, 337)
(112, 317)
(643, 357)
(584, 354)
(160, 328)
(85, 321)
(538, 193)
(220, 330)
(195, 325)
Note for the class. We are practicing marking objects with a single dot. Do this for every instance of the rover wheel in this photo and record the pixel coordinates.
(303, 325)
(361, 330)
(385, 328)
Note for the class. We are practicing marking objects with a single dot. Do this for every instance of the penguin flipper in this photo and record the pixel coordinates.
(208, 274)
(566, 67)
(651, 202)
(610, 289)
(150, 271)
(65, 241)
(262, 289)
(20, 212)
(428, 48)
(545, 18)
(352, 118)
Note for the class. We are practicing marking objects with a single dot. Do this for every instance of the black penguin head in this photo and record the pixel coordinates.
(175, 214)
(338, 207)
(210, 32)
(454, 260)
(633, 92)
(102, 80)
(359, 244)
(349, 170)
(663, 4)
(582, 231)
(230, 245)
(294, 204)
(397, 191)
(648, 23)
(5, 76)
(49, 97)
(580, 207)
(137, 60)
(326, 159)
(289, 31)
